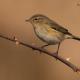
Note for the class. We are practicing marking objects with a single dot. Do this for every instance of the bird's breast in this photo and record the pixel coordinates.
(47, 34)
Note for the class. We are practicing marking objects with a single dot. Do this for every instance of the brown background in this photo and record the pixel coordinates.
(20, 63)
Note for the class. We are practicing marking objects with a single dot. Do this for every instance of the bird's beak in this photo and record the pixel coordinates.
(27, 20)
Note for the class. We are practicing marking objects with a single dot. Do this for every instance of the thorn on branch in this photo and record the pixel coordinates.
(16, 40)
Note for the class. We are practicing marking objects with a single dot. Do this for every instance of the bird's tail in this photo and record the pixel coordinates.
(76, 38)
(71, 36)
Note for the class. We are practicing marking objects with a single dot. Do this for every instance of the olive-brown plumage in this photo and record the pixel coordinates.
(49, 31)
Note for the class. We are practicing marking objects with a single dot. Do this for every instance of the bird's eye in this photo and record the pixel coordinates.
(35, 19)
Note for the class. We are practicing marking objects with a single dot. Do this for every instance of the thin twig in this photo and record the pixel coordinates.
(69, 64)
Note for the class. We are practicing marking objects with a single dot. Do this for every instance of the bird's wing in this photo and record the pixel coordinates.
(58, 27)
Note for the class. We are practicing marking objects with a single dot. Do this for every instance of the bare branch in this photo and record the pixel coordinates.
(69, 64)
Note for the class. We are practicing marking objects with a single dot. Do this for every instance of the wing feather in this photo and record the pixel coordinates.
(58, 27)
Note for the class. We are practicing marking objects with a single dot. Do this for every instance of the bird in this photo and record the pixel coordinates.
(49, 31)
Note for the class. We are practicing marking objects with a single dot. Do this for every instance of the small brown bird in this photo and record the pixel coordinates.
(49, 31)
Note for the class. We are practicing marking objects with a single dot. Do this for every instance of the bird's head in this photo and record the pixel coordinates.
(38, 19)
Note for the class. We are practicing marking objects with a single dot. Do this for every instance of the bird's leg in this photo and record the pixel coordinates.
(45, 45)
(58, 48)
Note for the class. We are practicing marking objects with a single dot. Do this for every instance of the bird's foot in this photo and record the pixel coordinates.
(42, 47)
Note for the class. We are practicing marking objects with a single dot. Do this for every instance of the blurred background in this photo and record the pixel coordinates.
(22, 63)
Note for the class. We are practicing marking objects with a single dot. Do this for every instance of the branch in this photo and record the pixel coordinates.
(69, 64)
